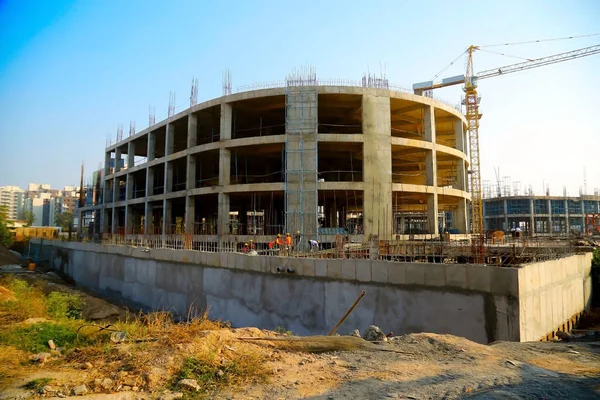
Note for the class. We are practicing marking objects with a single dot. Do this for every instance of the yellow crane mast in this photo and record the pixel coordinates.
(472, 115)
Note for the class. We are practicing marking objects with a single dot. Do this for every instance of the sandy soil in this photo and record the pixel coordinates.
(425, 366)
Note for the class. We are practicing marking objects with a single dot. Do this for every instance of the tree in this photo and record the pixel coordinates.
(28, 216)
(64, 220)
(5, 235)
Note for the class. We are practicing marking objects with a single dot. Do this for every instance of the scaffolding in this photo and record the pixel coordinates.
(301, 198)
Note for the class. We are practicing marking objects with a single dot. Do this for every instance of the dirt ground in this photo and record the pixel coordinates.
(8, 258)
(419, 366)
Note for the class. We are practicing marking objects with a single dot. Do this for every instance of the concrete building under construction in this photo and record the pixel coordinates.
(543, 215)
(305, 157)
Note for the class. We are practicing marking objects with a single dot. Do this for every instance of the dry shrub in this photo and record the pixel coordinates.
(6, 294)
(29, 301)
(13, 364)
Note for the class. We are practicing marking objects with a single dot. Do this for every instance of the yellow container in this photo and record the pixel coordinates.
(31, 267)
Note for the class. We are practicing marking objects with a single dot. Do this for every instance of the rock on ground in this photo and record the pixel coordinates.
(80, 390)
(374, 334)
(40, 357)
(189, 384)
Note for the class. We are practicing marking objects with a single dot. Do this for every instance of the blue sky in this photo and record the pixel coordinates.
(72, 71)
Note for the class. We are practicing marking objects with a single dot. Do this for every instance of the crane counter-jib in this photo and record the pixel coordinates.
(420, 87)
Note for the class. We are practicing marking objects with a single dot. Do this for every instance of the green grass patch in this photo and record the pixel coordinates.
(211, 374)
(35, 338)
(37, 384)
(64, 305)
(283, 331)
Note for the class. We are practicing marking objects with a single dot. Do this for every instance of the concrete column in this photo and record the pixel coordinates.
(223, 214)
(113, 228)
(128, 219)
(459, 137)
(567, 222)
(130, 154)
(106, 195)
(192, 129)
(432, 215)
(147, 219)
(107, 163)
(105, 220)
(169, 146)
(461, 145)
(149, 182)
(531, 217)
(331, 215)
(377, 165)
(431, 171)
(117, 160)
(224, 167)
(116, 189)
(189, 214)
(549, 205)
(189, 199)
(168, 177)
(583, 216)
(226, 121)
(169, 139)
(149, 192)
(506, 227)
(191, 174)
(460, 216)
(151, 146)
(167, 208)
(129, 187)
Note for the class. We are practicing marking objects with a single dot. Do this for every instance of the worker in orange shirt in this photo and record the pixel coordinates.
(288, 242)
(279, 241)
(251, 244)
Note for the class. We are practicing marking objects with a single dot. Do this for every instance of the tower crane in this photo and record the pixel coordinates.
(472, 115)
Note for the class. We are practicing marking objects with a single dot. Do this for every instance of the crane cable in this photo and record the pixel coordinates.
(506, 55)
(449, 65)
(540, 40)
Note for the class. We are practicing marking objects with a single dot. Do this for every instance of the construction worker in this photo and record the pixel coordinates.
(288, 241)
(245, 248)
(297, 240)
(251, 244)
(278, 240)
(313, 244)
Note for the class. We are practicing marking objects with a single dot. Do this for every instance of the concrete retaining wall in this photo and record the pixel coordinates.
(481, 303)
(552, 293)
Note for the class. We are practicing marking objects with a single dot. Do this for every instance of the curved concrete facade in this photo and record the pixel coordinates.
(321, 160)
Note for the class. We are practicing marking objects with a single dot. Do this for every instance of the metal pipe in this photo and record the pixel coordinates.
(352, 307)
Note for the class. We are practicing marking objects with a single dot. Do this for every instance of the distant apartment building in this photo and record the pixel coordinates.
(37, 190)
(70, 197)
(51, 209)
(46, 203)
(36, 207)
(12, 198)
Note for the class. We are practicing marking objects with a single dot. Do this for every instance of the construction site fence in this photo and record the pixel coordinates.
(435, 250)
